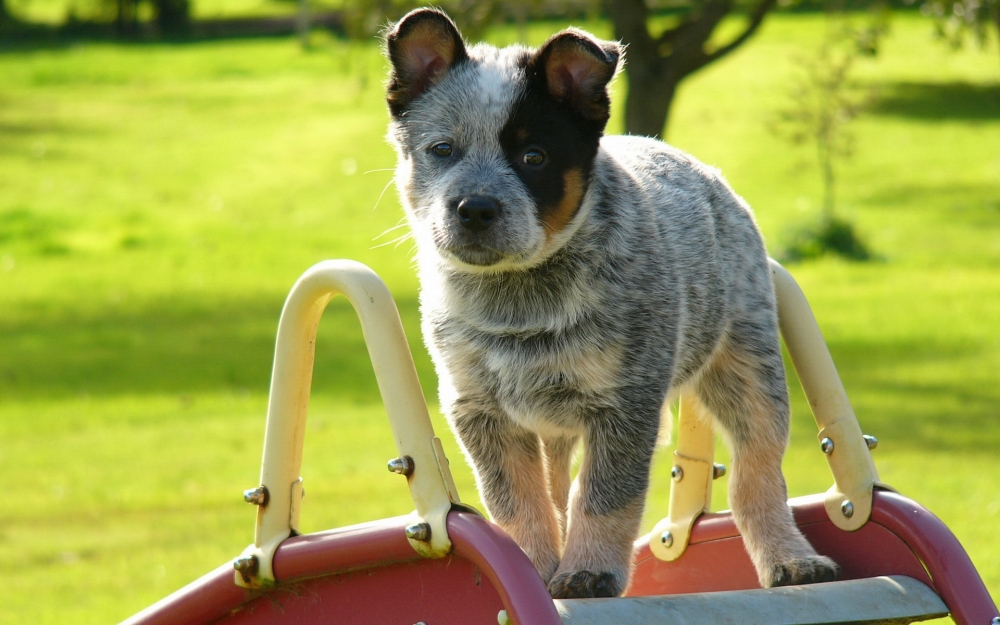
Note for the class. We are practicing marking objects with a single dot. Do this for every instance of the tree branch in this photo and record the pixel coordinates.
(756, 19)
(630, 18)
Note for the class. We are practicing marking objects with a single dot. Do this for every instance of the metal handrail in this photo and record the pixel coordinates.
(421, 457)
(848, 502)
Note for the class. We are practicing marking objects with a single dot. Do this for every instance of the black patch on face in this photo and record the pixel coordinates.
(568, 140)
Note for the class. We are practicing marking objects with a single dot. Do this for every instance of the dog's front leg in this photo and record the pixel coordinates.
(510, 473)
(558, 458)
(606, 507)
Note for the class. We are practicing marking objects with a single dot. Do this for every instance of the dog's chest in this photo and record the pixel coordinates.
(543, 377)
(549, 379)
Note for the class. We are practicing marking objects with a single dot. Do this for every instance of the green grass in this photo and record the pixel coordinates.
(158, 201)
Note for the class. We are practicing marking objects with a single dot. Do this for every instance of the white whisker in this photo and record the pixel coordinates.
(384, 189)
(401, 224)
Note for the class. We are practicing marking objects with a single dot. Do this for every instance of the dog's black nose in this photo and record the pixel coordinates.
(478, 213)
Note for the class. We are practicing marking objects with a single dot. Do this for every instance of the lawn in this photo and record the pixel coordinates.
(158, 201)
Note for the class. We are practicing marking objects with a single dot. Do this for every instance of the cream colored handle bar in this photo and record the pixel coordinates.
(430, 481)
(848, 502)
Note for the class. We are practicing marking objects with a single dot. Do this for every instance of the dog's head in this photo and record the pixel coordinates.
(495, 146)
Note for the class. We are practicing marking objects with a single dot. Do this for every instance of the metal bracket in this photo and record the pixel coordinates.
(431, 485)
(691, 489)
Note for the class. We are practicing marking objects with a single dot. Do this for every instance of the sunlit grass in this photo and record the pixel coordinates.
(157, 202)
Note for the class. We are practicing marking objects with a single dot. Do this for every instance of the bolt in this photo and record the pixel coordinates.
(847, 509)
(667, 539)
(402, 466)
(247, 567)
(826, 445)
(677, 473)
(872, 443)
(502, 618)
(257, 496)
(718, 470)
(419, 531)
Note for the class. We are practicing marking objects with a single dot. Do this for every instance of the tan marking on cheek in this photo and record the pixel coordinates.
(563, 212)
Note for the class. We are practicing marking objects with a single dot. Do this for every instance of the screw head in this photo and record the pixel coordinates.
(257, 496)
(718, 470)
(401, 466)
(872, 443)
(677, 473)
(247, 567)
(847, 509)
(419, 531)
(667, 539)
(826, 445)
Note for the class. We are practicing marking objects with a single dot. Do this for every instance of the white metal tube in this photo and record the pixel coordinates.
(849, 500)
(431, 485)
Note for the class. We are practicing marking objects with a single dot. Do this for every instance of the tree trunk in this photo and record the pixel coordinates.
(656, 66)
(647, 105)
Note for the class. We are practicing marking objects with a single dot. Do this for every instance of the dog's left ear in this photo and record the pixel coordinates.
(577, 68)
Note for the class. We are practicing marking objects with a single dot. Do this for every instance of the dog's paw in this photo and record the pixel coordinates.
(584, 584)
(807, 570)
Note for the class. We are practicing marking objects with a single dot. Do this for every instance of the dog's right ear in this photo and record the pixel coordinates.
(422, 47)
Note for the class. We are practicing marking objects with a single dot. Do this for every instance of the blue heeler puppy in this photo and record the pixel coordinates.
(570, 284)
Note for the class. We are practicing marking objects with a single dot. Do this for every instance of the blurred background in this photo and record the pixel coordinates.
(168, 168)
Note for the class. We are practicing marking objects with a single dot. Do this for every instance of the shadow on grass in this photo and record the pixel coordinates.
(951, 100)
(183, 348)
(24, 36)
(186, 348)
(956, 411)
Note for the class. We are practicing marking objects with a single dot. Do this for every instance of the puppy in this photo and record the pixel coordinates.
(569, 283)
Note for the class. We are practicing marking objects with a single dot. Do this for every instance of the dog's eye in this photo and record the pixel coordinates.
(442, 149)
(534, 157)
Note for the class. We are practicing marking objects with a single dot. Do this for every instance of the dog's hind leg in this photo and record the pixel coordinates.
(558, 458)
(510, 472)
(606, 505)
(744, 386)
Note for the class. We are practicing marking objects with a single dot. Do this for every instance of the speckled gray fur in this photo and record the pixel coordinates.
(659, 282)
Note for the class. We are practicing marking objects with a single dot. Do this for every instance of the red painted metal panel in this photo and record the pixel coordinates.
(716, 560)
(336, 551)
(369, 574)
(451, 591)
(215, 594)
(202, 601)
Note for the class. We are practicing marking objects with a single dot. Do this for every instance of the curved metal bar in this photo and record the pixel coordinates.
(431, 484)
(954, 575)
(849, 500)
(522, 591)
